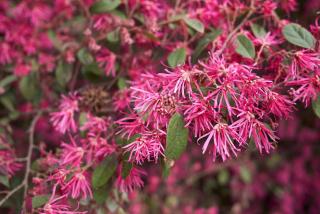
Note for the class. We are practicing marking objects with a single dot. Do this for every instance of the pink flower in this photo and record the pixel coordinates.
(121, 100)
(159, 106)
(199, 115)
(107, 60)
(288, 5)
(8, 164)
(58, 205)
(130, 125)
(181, 79)
(147, 147)
(248, 126)
(63, 120)
(222, 136)
(59, 176)
(279, 105)
(308, 90)
(99, 147)
(22, 70)
(132, 181)
(78, 186)
(95, 124)
(303, 60)
(72, 154)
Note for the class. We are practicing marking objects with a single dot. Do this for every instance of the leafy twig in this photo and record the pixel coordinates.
(28, 159)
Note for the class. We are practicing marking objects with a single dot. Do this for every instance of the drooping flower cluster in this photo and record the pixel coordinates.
(114, 85)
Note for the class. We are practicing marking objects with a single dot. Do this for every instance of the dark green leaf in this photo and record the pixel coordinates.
(122, 83)
(316, 106)
(7, 101)
(177, 57)
(101, 194)
(29, 87)
(104, 6)
(223, 177)
(177, 17)
(63, 73)
(245, 47)
(245, 174)
(7, 80)
(297, 35)
(39, 200)
(85, 56)
(203, 43)
(113, 36)
(126, 169)
(4, 180)
(194, 24)
(166, 166)
(55, 40)
(258, 30)
(104, 171)
(177, 137)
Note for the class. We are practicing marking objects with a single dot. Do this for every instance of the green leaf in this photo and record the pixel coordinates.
(177, 17)
(297, 35)
(223, 177)
(245, 174)
(39, 200)
(4, 180)
(63, 73)
(203, 43)
(57, 43)
(85, 56)
(122, 83)
(177, 137)
(177, 57)
(7, 80)
(29, 87)
(245, 47)
(104, 6)
(104, 171)
(194, 24)
(126, 169)
(113, 36)
(316, 106)
(258, 31)
(101, 194)
(166, 166)
(7, 101)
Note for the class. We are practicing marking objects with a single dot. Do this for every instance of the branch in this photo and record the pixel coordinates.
(28, 158)
(245, 19)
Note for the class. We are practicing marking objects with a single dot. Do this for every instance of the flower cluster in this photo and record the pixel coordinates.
(96, 94)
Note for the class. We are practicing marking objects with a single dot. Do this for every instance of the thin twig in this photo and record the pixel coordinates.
(245, 19)
(24, 184)
(29, 157)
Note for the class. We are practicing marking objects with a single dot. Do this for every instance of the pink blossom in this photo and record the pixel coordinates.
(181, 79)
(72, 154)
(132, 181)
(223, 143)
(308, 90)
(200, 115)
(78, 186)
(121, 100)
(58, 205)
(107, 60)
(63, 120)
(248, 126)
(147, 147)
(279, 105)
(22, 70)
(130, 125)
(95, 124)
